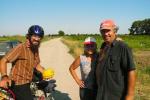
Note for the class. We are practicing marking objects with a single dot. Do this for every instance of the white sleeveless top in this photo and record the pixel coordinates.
(87, 72)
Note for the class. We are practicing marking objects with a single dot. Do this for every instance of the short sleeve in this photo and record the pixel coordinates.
(127, 58)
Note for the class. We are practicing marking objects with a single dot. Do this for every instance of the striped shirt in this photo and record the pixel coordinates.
(23, 61)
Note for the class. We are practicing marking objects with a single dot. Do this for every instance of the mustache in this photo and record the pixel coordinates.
(36, 40)
(35, 45)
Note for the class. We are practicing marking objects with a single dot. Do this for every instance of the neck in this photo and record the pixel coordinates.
(111, 41)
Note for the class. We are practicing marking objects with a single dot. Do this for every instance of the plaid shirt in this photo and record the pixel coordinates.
(23, 61)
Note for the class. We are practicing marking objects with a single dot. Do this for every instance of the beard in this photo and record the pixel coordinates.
(35, 45)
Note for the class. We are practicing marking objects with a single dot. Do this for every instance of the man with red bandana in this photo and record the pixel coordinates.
(115, 71)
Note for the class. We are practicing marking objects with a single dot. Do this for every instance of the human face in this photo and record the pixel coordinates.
(90, 48)
(108, 35)
(35, 40)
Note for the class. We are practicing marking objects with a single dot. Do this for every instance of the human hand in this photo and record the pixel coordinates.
(5, 82)
(81, 83)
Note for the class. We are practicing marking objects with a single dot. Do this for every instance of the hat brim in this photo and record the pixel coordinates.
(107, 28)
(88, 43)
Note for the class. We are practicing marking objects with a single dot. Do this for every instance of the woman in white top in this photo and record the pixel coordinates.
(87, 64)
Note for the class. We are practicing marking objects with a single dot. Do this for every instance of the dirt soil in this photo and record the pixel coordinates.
(54, 54)
(142, 58)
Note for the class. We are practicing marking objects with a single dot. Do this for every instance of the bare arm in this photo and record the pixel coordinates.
(131, 85)
(3, 70)
(72, 69)
(40, 68)
(3, 66)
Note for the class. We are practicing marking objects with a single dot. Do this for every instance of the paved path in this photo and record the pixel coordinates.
(55, 54)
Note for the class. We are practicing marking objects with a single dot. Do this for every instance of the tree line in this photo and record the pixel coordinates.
(140, 27)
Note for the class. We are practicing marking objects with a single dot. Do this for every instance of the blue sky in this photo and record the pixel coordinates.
(71, 16)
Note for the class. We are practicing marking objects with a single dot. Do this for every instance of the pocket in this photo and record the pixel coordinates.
(113, 63)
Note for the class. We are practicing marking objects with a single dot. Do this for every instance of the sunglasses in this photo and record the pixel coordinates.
(89, 46)
(105, 31)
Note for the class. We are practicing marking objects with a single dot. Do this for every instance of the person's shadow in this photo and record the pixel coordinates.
(57, 95)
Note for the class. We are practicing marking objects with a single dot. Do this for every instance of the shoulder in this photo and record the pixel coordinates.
(122, 44)
(82, 56)
(16, 49)
(77, 59)
(123, 48)
(19, 46)
(76, 62)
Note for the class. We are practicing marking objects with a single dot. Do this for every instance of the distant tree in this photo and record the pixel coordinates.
(146, 26)
(140, 27)
(61, 33)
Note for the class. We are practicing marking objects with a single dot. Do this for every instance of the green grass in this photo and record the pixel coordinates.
(136, 42)
(143, 83)
(7, 38)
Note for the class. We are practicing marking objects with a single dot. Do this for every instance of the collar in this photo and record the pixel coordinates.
(112, 44)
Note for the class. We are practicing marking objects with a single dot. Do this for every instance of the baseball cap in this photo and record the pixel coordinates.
(107, 24)
(90, 40)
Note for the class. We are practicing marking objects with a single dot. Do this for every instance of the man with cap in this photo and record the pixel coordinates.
(115, 71)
